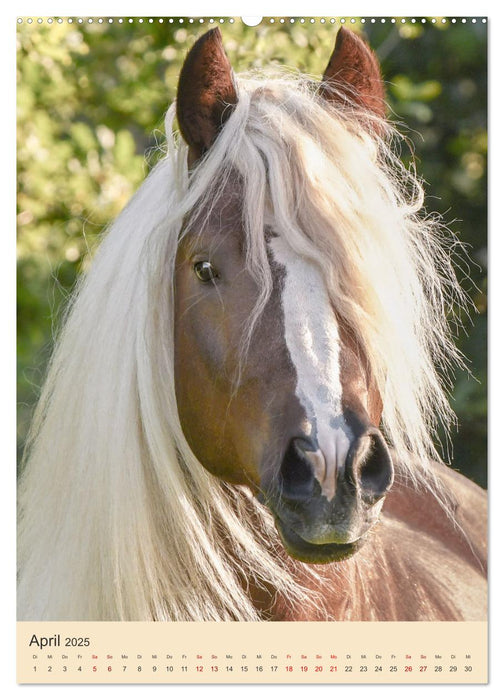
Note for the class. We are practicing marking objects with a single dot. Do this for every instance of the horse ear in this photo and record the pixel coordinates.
(206, 93)
(353, 74)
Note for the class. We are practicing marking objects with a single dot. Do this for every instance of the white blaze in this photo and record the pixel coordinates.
(313, 342)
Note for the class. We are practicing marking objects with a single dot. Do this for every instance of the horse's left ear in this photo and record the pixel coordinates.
(353, 75)
(206, 93)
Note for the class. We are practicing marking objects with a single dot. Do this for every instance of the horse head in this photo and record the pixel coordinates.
(290, 409)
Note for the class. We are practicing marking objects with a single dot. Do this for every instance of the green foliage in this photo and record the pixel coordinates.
(91, 100)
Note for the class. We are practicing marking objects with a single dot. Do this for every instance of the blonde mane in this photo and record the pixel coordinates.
(118, 520)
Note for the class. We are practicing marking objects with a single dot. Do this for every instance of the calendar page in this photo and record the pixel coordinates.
(252, 302)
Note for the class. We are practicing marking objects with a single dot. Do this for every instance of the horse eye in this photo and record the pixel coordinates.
(205, 271)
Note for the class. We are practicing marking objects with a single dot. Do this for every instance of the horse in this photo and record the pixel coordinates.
(238, 420)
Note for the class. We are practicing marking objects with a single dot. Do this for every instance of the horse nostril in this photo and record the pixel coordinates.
(296, 472)
(372, 466)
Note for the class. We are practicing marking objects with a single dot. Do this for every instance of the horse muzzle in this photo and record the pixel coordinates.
(324, 511)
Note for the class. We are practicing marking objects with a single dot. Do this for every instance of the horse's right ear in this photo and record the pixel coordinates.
(353, 75)
(206, 93)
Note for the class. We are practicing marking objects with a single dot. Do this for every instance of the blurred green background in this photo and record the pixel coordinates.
(91, 99)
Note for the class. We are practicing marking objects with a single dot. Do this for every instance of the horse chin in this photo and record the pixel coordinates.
(311, 553)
